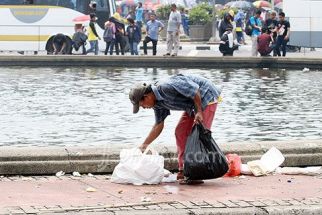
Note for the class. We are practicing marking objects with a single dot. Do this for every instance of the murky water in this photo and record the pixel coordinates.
(90, 106)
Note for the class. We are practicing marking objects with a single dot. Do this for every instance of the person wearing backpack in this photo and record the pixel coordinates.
(256, 25)
(134, 34)
(109, 36)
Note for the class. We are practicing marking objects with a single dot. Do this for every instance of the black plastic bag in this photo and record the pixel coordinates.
(203, 159)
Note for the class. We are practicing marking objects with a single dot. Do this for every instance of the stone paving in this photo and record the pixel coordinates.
(241, 195)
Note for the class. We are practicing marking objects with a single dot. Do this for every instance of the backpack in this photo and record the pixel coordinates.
(249, 27)
(79, 39)
(108, 34)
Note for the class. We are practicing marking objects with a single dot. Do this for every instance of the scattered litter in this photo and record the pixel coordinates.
(234, 162)
(145, 199)
(166, 173)
(90, 175)
(289, 181)
(172, 178)
(171, 189)
(1, 176)
(283, 69)
(265, 68)
(76, 174)
(311, 171)
(268, 163)
(60, 173)
(90, 189)
(245, 170)
(120, 191)
(242, 177)
(306, 69)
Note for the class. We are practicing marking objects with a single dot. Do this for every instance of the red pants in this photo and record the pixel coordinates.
(184, 128)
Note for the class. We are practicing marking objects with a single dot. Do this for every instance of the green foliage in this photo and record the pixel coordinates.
(201, 14)
(163, 12)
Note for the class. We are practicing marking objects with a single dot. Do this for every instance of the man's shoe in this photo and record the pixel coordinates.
(167, 54)
(174, 55)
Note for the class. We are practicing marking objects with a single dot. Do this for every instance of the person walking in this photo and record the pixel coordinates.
(134, 34)
(195, 95)
(256, 24)
(109, 36)
(185, 21)
(173, 31)
(92, 35)
(283, 34)
(153, 28)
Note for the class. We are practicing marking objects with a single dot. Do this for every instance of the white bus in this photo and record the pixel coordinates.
(305, 17)
(27, 25)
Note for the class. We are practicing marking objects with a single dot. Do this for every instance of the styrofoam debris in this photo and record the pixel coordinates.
(90, 175)
(306, 69)
(60, 173)
(90, 189)
(76, 174)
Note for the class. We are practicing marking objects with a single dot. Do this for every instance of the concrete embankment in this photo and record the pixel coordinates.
(49, 160)
(159, 61)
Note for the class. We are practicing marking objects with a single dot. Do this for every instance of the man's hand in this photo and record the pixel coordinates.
(199, 118)
(143, 147)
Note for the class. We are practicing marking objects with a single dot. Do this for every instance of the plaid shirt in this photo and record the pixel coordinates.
(178, 94)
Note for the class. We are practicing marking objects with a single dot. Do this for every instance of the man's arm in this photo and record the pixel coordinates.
(288, 33)
(94, 29)
(197, 102)
(154, 133)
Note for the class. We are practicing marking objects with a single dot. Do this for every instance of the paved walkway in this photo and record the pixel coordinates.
(202, 49)
(246, 195)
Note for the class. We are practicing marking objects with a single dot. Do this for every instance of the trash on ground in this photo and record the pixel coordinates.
(91, 189)
(90, 175)
(139, 168)
(166, 173)
(289, 181)
(311, 171)
(171, 189)
(242, 177)
(120, 191)
(245, 170)
(145, 199)
(76, 174)
(172, 178)
(306, 69)
(268, 163)
(203, 158)
(60, 173)
(265, 68)
(234, 162)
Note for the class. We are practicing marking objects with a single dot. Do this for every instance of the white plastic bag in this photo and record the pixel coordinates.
(139, 168)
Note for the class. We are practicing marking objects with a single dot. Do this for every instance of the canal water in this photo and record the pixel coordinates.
(90, 106)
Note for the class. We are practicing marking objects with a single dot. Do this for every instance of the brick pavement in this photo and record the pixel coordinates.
(215, 196)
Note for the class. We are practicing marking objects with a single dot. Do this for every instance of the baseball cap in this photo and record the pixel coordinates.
(136, 94)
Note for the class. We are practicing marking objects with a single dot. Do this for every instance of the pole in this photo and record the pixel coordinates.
(214, 23)
(272, 3)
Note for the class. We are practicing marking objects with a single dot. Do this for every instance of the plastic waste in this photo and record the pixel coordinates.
(90, 189)
(203, 159)
(244, 170)
(268, 163)
(234, 162)
(139, 169)
(311, 171)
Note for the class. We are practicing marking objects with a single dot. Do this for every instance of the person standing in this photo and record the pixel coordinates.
(92, 35)
(139, 15)
(283, 34)
(239, 20)
(134, 34)
(109, 36)
(271, 23)
(153, 28)
(256, 24)
(173, 31)
(185, 21)
(225, 24)
(196, 96)
(119, 34)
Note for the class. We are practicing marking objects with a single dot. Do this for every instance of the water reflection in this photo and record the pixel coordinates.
(90, 106)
